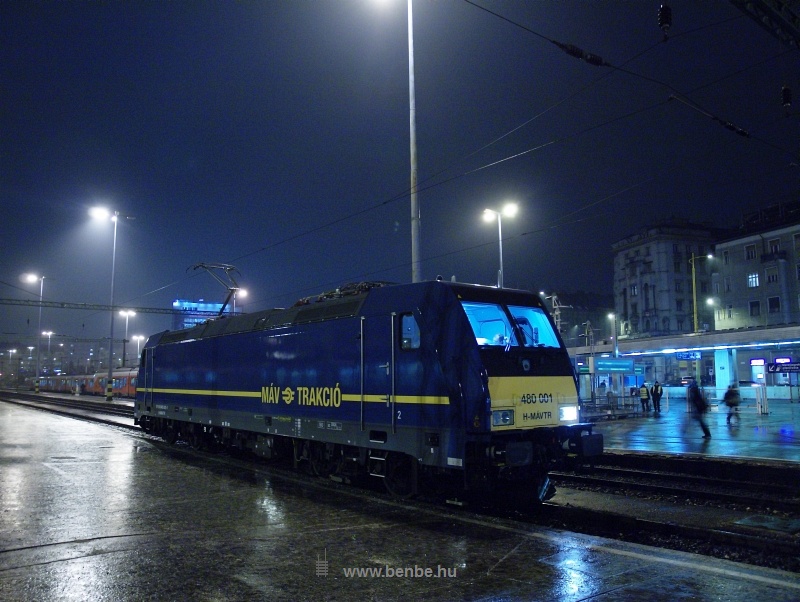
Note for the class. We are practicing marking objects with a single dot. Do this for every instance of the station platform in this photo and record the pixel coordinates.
(89, 512)
(774, 435)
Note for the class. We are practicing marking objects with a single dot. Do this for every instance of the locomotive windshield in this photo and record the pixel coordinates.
(492, 325)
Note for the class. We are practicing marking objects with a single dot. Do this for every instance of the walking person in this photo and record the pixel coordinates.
(656, 392)
(699, 407)
(732, 399)
(644, 397)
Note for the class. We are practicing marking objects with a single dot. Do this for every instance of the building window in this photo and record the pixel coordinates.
(675, 248)
(679, 283)
(774, 245)
(752, 280)
(729, 309)
(634, 290)
(749, 252)
(680, 324)
(727, 284)
(755, 309)
(725, 257)
(774, 305)
(678, 304)
(772, 275)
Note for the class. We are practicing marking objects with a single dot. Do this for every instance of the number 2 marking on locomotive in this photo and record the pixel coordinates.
(398, 414)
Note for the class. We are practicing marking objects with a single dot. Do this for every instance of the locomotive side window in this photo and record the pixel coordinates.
(535, 327)
(409, 337)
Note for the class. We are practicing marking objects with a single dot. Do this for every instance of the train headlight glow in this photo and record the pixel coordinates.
(502, 417)
(567, 413)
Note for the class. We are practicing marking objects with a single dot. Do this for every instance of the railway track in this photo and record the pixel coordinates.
(698, 487)
(67, 405)
(680, 485)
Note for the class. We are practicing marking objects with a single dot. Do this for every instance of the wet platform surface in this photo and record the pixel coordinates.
(760, 436)
(92, 512)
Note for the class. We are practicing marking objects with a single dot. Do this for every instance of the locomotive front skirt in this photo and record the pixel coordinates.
(469, 385)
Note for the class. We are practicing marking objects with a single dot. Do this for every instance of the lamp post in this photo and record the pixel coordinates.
(33, 278)
(102, 213)
(416, 275)
(613, 316)
(128, 314)
(138, 338)
(48, 334)
(509, 210)
(692, 260)
(238, 293)
(11, 353)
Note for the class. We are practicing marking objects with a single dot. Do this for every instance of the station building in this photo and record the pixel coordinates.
(720, 305)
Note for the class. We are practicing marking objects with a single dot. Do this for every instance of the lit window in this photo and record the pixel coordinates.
(752, 280)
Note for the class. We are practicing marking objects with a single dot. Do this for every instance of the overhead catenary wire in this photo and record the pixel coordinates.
(570, 49)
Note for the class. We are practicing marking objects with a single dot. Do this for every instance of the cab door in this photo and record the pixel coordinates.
(378, 374)
(147, 377)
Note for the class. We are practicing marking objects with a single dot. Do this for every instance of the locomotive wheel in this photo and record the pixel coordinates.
(197, 438)
(323, 463)
(170, 433)
(401, 475)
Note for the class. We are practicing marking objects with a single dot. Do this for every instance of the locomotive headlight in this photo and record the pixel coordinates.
(567, 413)
(502, 417)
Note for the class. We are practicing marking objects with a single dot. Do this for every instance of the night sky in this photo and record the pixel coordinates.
(274, 136)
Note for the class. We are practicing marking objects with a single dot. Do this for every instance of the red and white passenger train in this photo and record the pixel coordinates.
(92, 384)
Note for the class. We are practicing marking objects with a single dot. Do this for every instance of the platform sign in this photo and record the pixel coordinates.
(783, 367)
(610, 364)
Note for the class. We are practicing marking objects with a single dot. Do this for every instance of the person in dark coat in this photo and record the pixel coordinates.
(699, 407)
(656, 392)
(732, 399)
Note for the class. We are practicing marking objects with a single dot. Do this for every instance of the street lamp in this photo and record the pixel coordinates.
(613, 316)
(33, 278)
(238, 293)
(416, 275)
(128, 314)
(102, 213)
(694, 286)
(48, 334)
(509, 210)
(11, 353)
(138, 338)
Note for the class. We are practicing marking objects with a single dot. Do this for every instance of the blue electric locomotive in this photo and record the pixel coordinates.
(433, 382)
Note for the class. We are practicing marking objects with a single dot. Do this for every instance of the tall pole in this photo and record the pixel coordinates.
(616, 345)
(500, 238)
(39, 336)
(110, 381)
(416, 272)
(694, 293)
